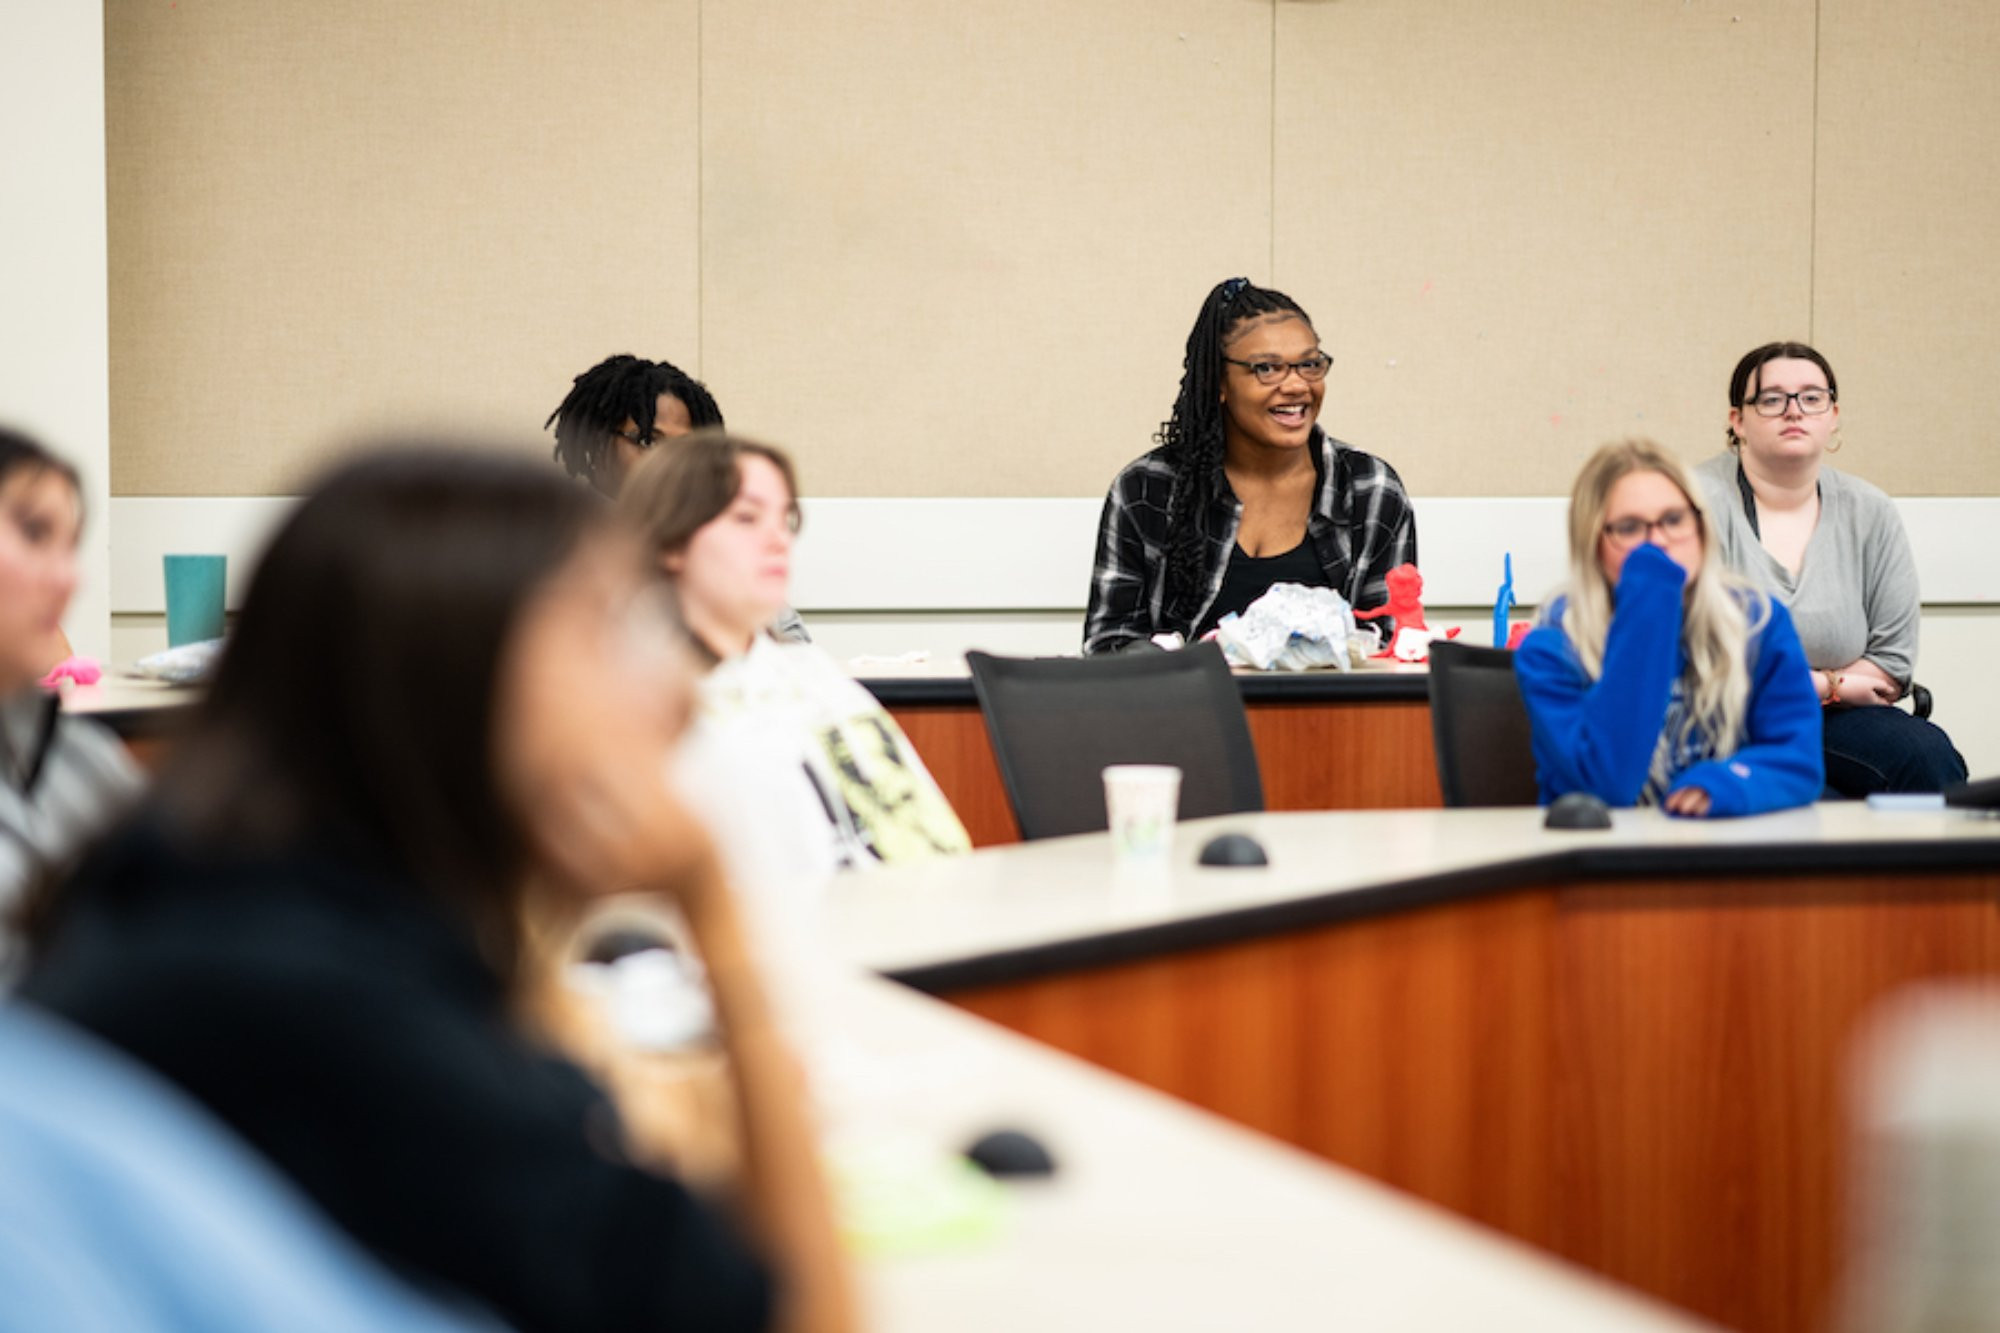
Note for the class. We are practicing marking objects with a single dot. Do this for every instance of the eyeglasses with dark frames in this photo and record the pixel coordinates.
(1812, 402)
(1312, 369)
(1673, 525)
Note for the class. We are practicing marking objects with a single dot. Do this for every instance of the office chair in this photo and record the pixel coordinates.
(1479, 727)
(1056, 722)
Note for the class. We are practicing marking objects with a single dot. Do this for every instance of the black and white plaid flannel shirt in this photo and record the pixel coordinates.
(1361, 527)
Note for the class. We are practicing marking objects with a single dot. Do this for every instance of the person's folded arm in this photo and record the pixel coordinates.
(1781, 764)
(1891, 599)
(1599, 736)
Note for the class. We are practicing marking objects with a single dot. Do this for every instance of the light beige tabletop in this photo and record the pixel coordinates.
(121, 694)
(1164, 1218)
(1002, 899)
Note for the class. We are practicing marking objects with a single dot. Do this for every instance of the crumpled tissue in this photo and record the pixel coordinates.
(1295, 628)
(184, 665)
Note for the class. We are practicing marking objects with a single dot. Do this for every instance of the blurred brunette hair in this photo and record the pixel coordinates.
(685, 484)
(354, 704)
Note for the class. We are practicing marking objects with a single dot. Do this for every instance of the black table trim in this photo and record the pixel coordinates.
(1301, 687)
(1554, 868)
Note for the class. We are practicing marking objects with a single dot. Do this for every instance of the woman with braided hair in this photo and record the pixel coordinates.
(1243, 490)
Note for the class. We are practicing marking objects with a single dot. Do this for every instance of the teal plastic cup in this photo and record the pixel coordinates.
(194, 597)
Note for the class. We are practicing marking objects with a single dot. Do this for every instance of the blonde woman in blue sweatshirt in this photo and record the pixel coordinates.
(1659, 678)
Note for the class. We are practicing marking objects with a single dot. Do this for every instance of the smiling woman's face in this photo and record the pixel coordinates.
(1269, 416)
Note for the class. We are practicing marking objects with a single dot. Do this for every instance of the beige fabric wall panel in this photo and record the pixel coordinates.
(1907, 266)
(1524, 229)
(328, 219)
(956, 249)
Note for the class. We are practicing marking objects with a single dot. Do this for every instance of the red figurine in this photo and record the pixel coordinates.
(1411, 642)
(1406, 599)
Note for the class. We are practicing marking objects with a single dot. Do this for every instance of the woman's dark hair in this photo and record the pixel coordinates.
(355, 701)
(1193, 435)
(616, 390)
(23, 453)
(1748, 377)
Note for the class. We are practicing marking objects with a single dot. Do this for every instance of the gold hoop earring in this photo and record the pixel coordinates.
(1834, 447)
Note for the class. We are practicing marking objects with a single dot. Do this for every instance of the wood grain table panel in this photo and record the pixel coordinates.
(1646, 1077)
(955, 748)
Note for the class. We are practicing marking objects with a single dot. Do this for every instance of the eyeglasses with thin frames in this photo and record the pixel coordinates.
(1312, 369)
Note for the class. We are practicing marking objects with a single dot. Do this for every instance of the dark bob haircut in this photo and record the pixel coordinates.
(1748, 377)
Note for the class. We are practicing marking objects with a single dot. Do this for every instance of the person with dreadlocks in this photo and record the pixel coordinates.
(620, 408)
(1244, 490)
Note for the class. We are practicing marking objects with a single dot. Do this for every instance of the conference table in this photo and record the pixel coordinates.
(1626, 1048)
(1159, 1215)
(1350, 740)
(143, 713)
(1163, 1217)
(1326, 740)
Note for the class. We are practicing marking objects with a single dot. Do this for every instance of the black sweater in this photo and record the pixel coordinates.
(345, 1025)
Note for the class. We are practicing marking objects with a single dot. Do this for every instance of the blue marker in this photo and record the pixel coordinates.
(1503, 602)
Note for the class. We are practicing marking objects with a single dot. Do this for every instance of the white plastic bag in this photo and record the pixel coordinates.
(1295, 628)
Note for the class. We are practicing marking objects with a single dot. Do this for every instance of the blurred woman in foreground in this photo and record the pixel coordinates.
(62, 779)
(441, 715)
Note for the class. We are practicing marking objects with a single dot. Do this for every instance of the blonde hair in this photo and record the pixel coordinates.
(1719, 611)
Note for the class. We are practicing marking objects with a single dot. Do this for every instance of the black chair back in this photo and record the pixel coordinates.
(1479, 727)
(1056, 722)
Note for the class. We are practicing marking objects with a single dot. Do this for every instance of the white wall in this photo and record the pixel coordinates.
(54, 321)
(887, 577)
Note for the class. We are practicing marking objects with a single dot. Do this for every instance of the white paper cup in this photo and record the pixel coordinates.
(1142, 800)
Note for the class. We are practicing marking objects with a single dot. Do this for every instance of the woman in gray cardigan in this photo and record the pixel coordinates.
(1832, 549)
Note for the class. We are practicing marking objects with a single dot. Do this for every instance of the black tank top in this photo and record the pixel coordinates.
(1248, 577)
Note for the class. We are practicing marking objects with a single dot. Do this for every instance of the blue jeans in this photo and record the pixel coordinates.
(1875, 748)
